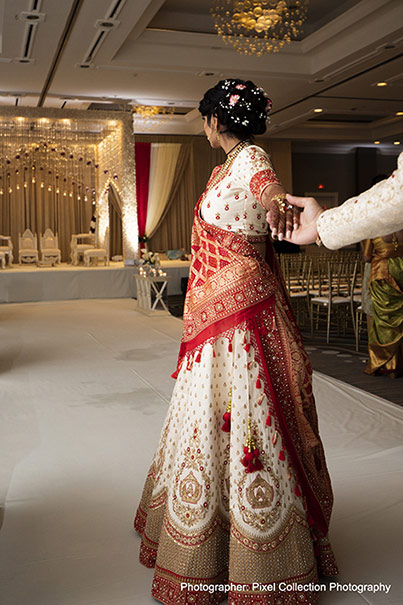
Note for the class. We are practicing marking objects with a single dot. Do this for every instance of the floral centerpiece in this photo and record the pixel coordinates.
(151, 258)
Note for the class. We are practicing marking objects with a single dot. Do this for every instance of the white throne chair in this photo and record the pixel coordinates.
(96, 254)
(49, 245)
(28, 247)
(80, 242)
(6, 248)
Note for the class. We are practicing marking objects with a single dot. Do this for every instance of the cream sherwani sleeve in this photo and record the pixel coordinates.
(375, 212)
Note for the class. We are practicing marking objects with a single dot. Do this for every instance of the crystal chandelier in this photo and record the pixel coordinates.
(147, 117)
(255, 27)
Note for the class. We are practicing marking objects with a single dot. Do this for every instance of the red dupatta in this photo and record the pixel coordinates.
(230, 284)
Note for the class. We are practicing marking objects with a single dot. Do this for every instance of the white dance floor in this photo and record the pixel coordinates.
(84, 388)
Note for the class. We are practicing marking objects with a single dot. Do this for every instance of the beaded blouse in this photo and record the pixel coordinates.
(233, 203)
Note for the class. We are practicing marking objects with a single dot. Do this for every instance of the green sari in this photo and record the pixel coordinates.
(385, 340)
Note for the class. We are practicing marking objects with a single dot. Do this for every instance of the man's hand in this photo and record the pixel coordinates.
(306, 233)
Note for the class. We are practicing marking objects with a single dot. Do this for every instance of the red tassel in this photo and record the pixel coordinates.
(268, 419)
(230, 347)
(226, 427)
(214, 353)
(174, 375)
(281, 455)
(310, 519)
(297, 491)
(258, 383)
(247, 347)
(263, 330)
(198, 357)
(251, 460)
(257, 464)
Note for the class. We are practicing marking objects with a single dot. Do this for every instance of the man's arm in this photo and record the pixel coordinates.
(375, 212)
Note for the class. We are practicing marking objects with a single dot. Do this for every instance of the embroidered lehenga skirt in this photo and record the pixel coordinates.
(238, 492)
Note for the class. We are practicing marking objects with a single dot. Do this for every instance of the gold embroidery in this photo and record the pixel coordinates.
(190, 489)
(266, 515)
(259, 494)
(189, 508)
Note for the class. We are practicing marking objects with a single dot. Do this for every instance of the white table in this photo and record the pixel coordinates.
(145, 285)
(176, 269)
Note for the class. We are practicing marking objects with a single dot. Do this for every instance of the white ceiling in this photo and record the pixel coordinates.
(161, 52)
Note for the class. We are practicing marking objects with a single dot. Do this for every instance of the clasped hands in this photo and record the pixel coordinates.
(295, 224)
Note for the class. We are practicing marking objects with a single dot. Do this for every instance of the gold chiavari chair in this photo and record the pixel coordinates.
(335, 294)
(297, 274)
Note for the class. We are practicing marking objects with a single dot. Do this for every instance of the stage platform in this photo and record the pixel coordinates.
(25, 283)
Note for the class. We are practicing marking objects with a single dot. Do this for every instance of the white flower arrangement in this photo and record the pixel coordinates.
(151, 258)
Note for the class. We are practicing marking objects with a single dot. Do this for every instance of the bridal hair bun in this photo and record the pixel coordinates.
(239, 105)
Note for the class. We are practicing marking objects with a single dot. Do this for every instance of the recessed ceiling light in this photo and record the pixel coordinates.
(399, 113)
(376, 142)
(318, 110)
(396, 142)
(381, 83)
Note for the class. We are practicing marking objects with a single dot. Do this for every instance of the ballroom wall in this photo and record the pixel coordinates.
(336, 171)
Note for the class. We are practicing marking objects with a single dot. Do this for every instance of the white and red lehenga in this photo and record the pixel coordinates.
(238, 491)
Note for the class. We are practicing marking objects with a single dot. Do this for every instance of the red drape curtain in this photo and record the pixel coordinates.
(142, 154)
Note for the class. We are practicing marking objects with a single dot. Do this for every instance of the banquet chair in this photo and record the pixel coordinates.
(96, 254)
(3, 259)
(80, 242)
(28, 247)
(6, 247)
(337, 294)
(49, 245)
(359, 312)
(297, 273)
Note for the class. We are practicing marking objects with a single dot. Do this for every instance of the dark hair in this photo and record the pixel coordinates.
(239, 105)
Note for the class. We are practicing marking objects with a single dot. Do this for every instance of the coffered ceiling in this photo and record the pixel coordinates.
(86, 53)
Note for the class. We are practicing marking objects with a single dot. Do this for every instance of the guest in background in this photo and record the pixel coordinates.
(366, 245)
(385, 339)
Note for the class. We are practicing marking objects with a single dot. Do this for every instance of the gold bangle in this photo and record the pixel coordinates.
(281, 201)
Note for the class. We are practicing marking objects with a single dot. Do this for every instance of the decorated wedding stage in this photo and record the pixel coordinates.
(30, 283)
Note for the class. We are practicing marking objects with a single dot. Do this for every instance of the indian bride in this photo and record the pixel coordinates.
(237, 500)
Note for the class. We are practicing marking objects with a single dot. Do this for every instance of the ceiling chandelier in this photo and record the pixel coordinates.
(255, 27)
(147, 117)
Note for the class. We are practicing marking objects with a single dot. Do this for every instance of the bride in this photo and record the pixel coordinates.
(238, 498)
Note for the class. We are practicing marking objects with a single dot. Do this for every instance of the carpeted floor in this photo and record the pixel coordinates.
(84, 389)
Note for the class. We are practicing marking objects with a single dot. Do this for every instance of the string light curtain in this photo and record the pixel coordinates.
(47, 179)
(55, 172)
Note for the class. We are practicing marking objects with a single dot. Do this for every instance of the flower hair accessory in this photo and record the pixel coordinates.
(233, 100)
